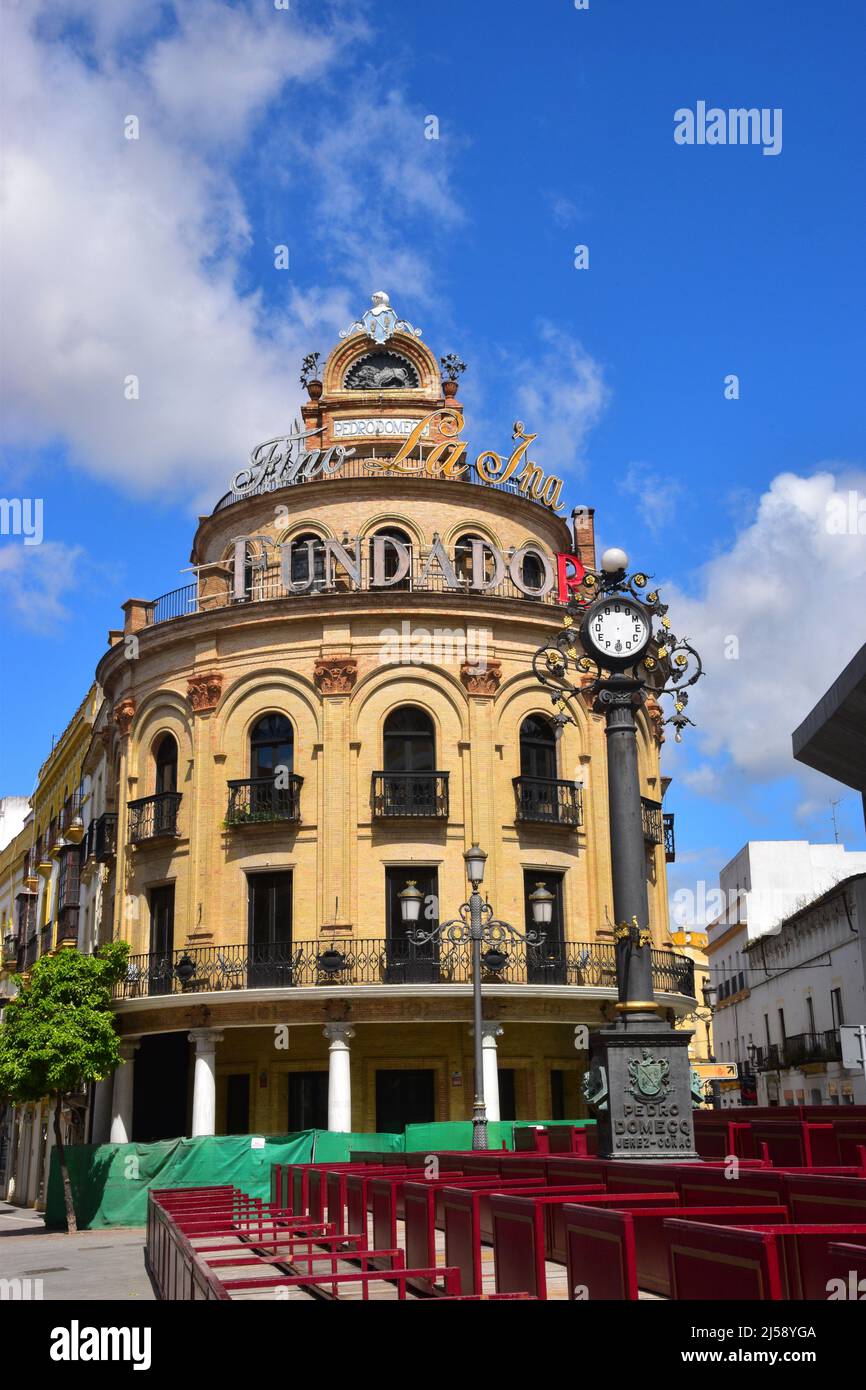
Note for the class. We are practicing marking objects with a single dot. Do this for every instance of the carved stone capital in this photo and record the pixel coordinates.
(203, 691)
(335, 675)
(124, 713)
(481, 682)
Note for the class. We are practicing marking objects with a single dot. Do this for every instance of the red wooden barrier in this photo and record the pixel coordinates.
(802, 1256)
(720, 1263)
(469, 1224)
(528, 1230)
(848, 1263)
(593, 1235)
(424, 1211)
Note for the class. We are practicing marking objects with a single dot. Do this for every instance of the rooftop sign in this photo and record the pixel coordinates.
(289, 459)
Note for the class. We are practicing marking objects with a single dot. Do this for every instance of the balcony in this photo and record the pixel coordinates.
(67, 924)
(152, 817)
(102, 837)
(409, 795)
(651, 818)
(259, 801)
(10, 950)
(803, 1048)
(389, 961)
(548, 801)
(670, 841)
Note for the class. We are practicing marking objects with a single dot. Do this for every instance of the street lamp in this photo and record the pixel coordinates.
(615, 651)
(476, 924)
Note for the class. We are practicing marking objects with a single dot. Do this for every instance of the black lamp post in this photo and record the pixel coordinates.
(476, 924)
(617, 641)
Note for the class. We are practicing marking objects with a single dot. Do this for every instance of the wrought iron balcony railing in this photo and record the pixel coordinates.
(651, 816)
(812, 1047)
(206, 969)
(410, 794)
(153, 816)
(548, 800)
(258, 800)
(101, 842)
(670, 840)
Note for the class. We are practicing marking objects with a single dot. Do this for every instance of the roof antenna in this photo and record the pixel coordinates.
(833, 805)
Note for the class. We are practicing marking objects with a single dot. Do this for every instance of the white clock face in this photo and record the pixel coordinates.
(618, 629)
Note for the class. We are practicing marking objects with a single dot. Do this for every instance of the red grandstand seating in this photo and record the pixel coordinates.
(527, 1231)
(795, 1261)
(848, 1264)
(594, 1235)
(424, 1211)
(468, 1224)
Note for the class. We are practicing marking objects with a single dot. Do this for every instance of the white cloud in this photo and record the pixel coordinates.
(789, 591)
(561, 396)
(658, 495)
(121, 257)
(34, 581)
(224, 65)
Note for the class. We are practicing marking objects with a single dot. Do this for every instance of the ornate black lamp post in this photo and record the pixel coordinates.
(614, 650)
(476, 924)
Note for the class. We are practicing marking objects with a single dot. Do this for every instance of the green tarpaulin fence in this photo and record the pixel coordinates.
(110, 1181)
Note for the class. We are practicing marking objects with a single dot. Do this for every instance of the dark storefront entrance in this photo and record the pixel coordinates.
(159, 1088)
(404, 1098)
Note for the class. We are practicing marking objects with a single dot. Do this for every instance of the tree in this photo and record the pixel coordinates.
(59, 1035)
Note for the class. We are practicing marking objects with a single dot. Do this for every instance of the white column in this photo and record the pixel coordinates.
(121, 1099)
(339, 1077)
(102, 1111)
(204, 1080)
(489, 1070)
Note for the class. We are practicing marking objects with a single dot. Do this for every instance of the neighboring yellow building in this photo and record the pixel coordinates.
(693, 943)
(39, 907)
(291, 739)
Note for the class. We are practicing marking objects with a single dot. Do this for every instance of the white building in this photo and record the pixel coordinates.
(787, 961)
(14, 811)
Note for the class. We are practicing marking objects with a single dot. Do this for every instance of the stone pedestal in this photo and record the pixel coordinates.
(639, 1086)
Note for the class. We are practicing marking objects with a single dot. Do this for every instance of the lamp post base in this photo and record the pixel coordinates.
(639, 1085)
(479, 1128)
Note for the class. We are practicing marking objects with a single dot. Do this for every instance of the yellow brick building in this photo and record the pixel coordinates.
(338, 705)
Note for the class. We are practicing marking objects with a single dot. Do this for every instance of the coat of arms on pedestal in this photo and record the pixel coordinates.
(649, 1076)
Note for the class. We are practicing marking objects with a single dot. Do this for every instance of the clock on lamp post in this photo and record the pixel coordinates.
(617, 641)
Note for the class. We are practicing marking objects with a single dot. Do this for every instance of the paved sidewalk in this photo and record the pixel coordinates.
(91, 1265)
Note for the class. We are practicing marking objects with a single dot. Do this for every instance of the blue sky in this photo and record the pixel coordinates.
(261, 127)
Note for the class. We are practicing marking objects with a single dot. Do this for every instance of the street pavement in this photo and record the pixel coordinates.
(90, 1265)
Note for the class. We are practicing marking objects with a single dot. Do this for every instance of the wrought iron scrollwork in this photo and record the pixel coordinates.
(667, 669)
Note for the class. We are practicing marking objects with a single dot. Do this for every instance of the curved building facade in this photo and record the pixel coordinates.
(337, 706)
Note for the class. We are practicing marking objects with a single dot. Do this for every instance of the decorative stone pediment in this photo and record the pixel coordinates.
(204, 691)
(124, 713)
(336, 675)
(481, 682)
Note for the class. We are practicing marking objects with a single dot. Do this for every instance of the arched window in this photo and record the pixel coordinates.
(409, 741)
(271, 745)
(392, 556)
(532, 573)
(463, 557)
(302, 572)
(165, 759)
(537, 748)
